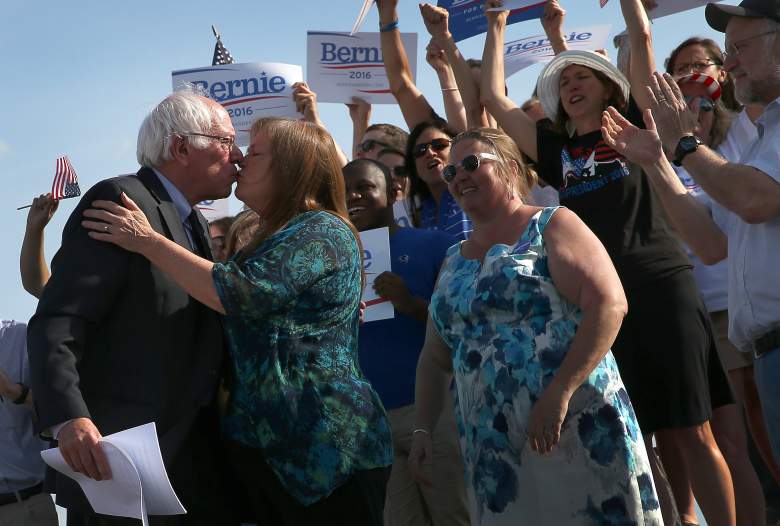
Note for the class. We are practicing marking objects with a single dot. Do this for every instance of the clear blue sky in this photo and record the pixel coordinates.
(78, 78)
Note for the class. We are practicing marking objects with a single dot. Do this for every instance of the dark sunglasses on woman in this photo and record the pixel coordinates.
(437, 145)
(469, 163)
(704, 104)
(399, 171)
(369, 144)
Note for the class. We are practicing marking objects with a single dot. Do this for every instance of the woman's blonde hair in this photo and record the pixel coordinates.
(306, 175)
(518, 182)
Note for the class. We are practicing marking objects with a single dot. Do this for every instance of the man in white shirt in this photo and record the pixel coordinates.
(22, 499)
(745, 223)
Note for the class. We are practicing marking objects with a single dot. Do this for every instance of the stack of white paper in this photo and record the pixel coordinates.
(139, 484)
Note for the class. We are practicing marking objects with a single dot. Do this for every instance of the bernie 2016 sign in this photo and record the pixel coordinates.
(519, 54)
(247, 91)
(340, 66)
(467, 17)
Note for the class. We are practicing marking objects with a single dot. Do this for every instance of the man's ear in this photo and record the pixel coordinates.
(180, 149)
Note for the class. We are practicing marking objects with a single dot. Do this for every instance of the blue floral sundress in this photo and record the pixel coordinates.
(509, 330)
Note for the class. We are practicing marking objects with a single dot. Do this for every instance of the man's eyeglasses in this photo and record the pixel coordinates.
(226, 143)
(735, 48)
(469, 163)
(437, 145)
(369, 144)
(694, 67)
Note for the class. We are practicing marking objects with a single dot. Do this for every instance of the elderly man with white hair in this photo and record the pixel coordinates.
(115, 343)
(745, 219)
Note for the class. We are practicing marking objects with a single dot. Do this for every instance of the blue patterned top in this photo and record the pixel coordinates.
(509, 330)
(447, 217)
(292, 328)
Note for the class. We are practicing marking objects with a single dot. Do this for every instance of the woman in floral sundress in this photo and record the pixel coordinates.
(523, 316)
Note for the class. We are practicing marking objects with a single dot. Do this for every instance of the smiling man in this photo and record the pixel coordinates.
(745, 220)
(389, 350)
(115, 343)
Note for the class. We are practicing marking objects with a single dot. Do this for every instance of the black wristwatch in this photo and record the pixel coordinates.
(688, 144)
(23, 395)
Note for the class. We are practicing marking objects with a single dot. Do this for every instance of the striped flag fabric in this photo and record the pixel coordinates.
(65, 183)
(603, 2)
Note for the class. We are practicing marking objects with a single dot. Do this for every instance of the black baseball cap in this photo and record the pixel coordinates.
(718, 15)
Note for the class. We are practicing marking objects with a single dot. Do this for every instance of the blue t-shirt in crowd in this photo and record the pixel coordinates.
(448, 218)
(388, 349)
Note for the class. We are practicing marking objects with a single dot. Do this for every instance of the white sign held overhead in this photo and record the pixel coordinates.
(247, 91)
(519, 54)
(670, 7)
(376, 260)
(340, 66)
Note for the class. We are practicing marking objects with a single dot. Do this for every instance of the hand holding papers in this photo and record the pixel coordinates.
(376, 259)
(139, 482)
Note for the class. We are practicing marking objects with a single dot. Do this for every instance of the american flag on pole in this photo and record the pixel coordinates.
(65, 183)
(221, 54)
(603, 2)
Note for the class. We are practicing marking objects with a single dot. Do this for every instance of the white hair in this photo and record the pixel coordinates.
(180, 112)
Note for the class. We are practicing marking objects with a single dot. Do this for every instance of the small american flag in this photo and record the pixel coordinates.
(221, 55)
(65, 181)
(603, 2)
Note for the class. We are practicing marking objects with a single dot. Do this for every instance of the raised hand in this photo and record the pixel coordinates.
(496, 17)
(670, 111)
(306, 102)
(436, 57)
(41, 211)
(552, 18)
(124, 225)
(79, 442)
(639, 146)
(359, 110)
(436, 21)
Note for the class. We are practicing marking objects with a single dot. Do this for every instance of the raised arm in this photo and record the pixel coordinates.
(306, 104)
(640, 38)
(360, 114)
(437, 23)
(751, 189)
(450, 94)
(515, 122)
(414, 105)
(691, 219)
(32, 262)
(593, 285)
(552, 22)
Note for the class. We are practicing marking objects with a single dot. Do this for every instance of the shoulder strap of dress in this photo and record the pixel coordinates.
(544, 217)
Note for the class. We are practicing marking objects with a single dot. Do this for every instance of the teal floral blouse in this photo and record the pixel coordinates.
(292, 328)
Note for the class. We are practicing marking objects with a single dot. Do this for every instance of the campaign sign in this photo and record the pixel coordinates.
(519, 54)
(247, 91)
(467, 17)
(214, 209)
(340, 66)
(376, 259)
(670, 7)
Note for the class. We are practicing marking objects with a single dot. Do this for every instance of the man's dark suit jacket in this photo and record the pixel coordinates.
(116, 340)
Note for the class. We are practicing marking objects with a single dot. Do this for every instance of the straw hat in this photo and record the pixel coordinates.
(547, 87)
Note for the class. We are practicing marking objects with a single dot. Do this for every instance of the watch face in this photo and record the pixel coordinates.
(688, 143)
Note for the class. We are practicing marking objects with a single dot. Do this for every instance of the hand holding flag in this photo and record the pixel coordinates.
(65, 183)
